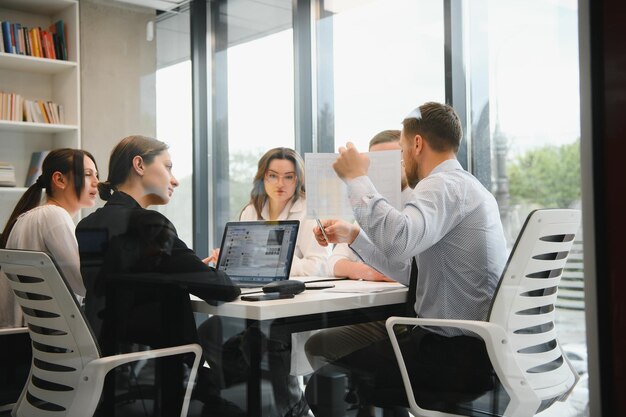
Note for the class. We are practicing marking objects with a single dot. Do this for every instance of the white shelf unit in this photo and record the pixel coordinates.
(38, 79)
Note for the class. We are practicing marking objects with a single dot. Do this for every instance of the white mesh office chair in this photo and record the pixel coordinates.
(67, 371)
(520, 333)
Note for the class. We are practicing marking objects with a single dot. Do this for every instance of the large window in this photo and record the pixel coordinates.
(387, 58)
(525, 127)
(174, 114)
(370, 49)
(260, 107)
(252, 96)
(360, 66)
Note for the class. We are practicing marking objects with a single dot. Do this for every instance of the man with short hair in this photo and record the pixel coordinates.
(328, 345)
(451, 226)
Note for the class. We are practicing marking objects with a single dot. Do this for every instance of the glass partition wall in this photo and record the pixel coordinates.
(313, 74)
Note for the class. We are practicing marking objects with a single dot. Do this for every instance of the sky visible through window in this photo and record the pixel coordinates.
(536, 93)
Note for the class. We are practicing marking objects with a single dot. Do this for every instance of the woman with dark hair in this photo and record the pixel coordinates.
(125, 237)
(69, 178)
(137, 272)
(278, 194)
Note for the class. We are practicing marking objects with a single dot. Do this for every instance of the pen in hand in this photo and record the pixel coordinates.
(319, 223)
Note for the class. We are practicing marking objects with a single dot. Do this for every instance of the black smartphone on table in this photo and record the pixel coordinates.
(266, 296)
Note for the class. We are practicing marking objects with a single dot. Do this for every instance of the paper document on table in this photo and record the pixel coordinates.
(366, 287)
(327, 194)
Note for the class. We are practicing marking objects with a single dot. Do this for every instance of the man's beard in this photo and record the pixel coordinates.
(411, 176)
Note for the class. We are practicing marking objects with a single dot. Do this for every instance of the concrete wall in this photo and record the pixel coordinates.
(118, 83)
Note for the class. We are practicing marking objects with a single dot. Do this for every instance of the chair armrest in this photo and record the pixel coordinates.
(92, 378)
(106, 363)
(12, 330)
(502, 359)
(566, 395)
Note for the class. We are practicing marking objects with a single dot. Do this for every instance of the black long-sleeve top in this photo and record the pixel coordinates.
(152, 272)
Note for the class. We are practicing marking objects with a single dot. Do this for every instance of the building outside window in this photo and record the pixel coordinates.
(523, 84)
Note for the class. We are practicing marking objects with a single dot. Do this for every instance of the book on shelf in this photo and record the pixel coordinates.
(11, 107)
(27, 49)
(61, 114)
(6, 34)
(60, 29)
(14, 107)
(7, 175)
(35, 41)
(37, 115)
(19, 47)
(34, 169)
(1, 38)
(42, 106)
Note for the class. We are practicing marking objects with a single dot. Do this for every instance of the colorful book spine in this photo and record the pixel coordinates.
(6, 33)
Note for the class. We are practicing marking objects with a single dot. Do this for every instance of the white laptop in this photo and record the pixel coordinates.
(254, 253)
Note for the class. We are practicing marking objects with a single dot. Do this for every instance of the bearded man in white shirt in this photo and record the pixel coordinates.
(451, 226)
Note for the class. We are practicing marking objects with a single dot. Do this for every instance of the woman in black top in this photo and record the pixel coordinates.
(137, 272)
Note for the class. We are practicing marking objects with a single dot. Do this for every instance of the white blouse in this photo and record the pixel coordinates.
(50, 229)
(309, 258)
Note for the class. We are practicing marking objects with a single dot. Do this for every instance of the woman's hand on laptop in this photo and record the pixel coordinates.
(212, 259)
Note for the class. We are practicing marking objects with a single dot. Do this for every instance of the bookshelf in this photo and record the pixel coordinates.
(36, 78)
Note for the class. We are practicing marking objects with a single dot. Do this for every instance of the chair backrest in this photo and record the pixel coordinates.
(524, 304)
(62, 341)
(572, 288)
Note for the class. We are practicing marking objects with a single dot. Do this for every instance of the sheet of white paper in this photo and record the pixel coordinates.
(327, 194)
(367, 287)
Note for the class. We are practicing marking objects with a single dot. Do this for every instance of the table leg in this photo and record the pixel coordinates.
(254, 380)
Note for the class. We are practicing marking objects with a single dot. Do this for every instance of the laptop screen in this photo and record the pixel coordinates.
(258, 252)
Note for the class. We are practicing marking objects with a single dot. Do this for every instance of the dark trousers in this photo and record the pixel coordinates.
(145, 316)
(440, 368)
(230, 360)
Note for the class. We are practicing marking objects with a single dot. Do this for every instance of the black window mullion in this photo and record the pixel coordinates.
(199, 72)
(454, 70)
(219, 129)
(325, 80)
(303, 78)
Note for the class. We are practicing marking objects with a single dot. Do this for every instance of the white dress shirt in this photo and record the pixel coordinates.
(451, 224)
(49, 228)
(309, 258)
(343, 250)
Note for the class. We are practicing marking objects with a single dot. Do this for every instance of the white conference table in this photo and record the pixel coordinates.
(349, 302)
(346, 295)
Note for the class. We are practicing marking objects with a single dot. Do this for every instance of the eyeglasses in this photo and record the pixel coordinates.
(415, 114)
(272, 178)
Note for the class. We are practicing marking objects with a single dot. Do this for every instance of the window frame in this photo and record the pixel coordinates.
(210, 100)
